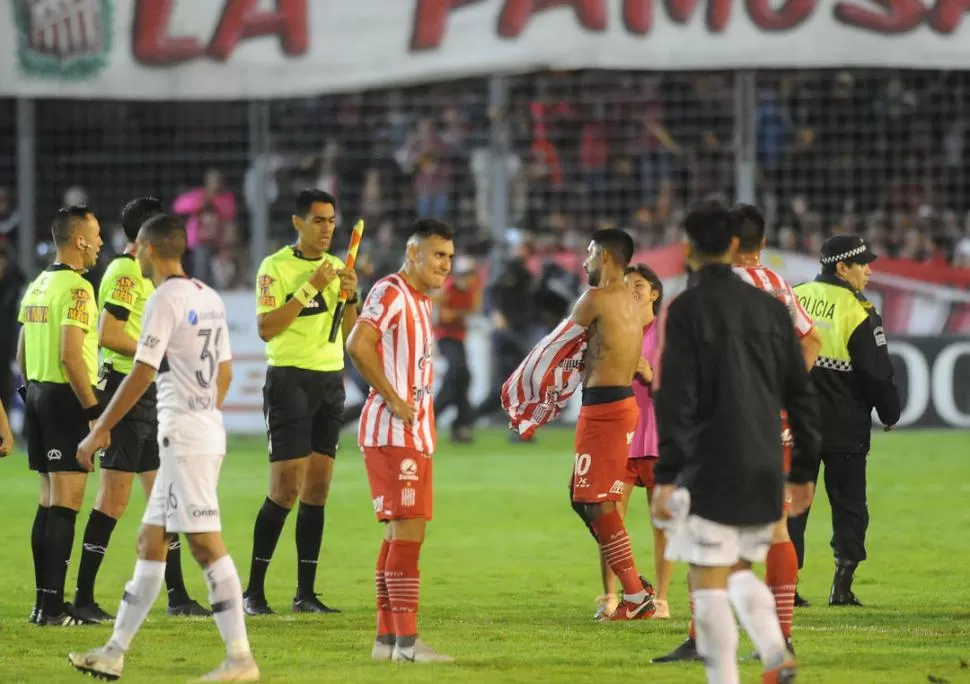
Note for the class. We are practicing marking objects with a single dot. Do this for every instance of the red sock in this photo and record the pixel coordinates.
(385, 620)
(615, 546)
(403, 585)
(781, 576)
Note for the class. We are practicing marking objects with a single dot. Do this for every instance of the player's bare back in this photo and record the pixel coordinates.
(615, 338)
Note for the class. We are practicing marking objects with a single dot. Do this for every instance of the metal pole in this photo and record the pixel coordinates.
(259, 158)
(498, 92)
(26, 186)
(745, 136)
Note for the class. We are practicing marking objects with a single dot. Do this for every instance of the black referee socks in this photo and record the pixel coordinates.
(266, 534)
(97, 534)
(58, 540)
(309, 539)
(37, 535)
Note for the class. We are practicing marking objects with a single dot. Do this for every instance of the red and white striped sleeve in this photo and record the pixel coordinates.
(383, 306)
(802, 321)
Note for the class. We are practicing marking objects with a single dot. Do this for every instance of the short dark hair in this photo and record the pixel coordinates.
(710, 227)
(651, 277)
(309, 196)
(749, 226)
(62, 228)
(618, 243)
(166, 233)
(428, 227)
(136, 212)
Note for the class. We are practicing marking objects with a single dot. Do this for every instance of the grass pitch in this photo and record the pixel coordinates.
(509, 575)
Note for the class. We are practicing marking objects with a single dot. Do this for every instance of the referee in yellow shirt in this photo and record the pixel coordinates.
(303, 398)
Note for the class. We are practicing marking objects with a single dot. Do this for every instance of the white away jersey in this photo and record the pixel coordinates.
(402, 316)
(185, 337)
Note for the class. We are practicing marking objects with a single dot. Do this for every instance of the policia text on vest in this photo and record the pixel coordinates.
(852, 374)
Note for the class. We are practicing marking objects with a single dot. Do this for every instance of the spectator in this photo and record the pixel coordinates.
(211, 214)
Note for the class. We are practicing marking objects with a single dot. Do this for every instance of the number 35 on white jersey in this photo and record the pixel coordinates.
(185, 337)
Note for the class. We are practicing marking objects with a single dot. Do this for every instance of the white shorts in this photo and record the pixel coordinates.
(701, 542)
(184, 497)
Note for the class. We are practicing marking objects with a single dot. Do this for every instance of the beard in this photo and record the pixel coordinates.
(594, 278)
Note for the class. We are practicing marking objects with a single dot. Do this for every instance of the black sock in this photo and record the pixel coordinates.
(97, 534)
(37, 533)
(309, 539)
(178, 595)
(58, 540)
(266, 534)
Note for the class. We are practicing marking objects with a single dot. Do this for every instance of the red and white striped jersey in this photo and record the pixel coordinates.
(766, 279)
(541, 386)
(402, 316)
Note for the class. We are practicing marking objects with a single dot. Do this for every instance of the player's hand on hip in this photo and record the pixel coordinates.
(801, 497)
(658, 508)
(348, 280)
(323, 275)
(644, 370)
(403, 410)
(6, 444)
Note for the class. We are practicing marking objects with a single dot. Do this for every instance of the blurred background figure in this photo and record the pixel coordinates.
(461, 297)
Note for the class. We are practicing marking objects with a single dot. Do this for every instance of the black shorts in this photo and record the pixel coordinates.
(134, 440)
(303, 411)
(54, 424)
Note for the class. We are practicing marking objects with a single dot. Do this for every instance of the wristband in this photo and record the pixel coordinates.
(305, 294)
(94, 412)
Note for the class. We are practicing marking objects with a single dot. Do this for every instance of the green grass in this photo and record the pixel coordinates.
(510, 574)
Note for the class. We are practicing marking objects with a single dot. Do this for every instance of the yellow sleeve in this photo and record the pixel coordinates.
(78, 306)
(120, 290)
(269, 290)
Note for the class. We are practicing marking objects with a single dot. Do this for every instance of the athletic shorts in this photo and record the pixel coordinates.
(54, 425)
(699, 541)
(303, 411)
(639, 472)
(400, 482)
(134, 440)
(184, 497)
(786, 442)
(607, 422)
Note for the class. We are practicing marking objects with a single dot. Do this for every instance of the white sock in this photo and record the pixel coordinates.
(717, 635)
(755, 607)
(139, 597)
(225, 596)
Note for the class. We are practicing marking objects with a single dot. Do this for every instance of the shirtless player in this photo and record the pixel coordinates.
(608, 418)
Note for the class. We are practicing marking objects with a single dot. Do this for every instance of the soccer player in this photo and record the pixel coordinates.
(134, 445)
(609, 415)
(57, 353)
(730, 365)
(303, 398)
(392, 346)
(781, 563)
(185, 340)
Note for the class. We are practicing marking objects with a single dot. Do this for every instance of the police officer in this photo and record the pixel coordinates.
(852, 375)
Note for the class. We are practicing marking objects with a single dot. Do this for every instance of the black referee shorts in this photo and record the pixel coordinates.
(134, 440)
(54, 424)
(303, 411)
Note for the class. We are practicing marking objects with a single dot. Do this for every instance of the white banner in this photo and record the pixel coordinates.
(240, 49)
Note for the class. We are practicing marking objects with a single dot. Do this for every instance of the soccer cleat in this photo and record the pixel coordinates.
(68, 617)
(416, 651)
(685, 652)
(93, 612)
(383, 648)
(34, 616)
(256, 605)
(783, 674)
(234, 670)
(607, 606)
(189, 609)
(663, 610)
(628, 610)
(801, 602)
(844, 599)
(100, 663)
(312, 604)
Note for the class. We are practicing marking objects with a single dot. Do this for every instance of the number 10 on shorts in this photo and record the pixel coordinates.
(581, 467)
